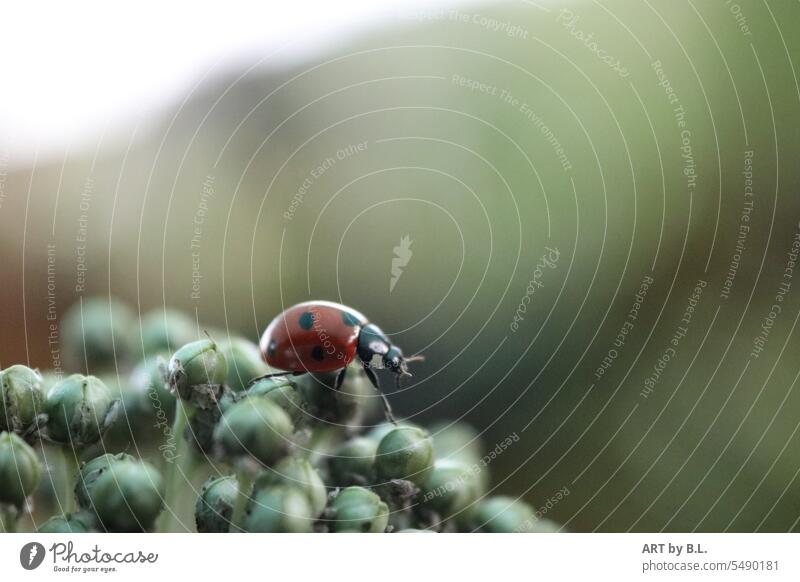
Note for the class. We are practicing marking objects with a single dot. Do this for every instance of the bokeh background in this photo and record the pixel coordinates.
(627, 143)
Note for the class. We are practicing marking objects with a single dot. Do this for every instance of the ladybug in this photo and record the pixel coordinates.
(322, 336)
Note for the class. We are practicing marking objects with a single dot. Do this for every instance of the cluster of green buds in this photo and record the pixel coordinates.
(267, 453)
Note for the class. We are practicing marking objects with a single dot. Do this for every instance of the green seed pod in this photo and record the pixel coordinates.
(147, 378)
(165, 331)
(214, 507)
(80, 522)
(244, 362)
(405, 453)
(22, 399)
(89, 473)
(297, 474)
(353, 462)
(283, 392)
(96, 334)
(135, 416)
(197, 372)
(458, 441)
(279, 510)
(377, 432)
(501, 514)
(357, 510)
(127, 496)
(79, 410)
(255, 428)
(20, 470)
(451, 488)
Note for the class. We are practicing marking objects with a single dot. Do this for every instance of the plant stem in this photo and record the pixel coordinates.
(8, 519)
(70, 468)
(244, 478)
(176, 467)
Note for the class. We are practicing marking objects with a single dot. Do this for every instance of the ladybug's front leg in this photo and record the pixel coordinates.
(373, 378)
(340, 378)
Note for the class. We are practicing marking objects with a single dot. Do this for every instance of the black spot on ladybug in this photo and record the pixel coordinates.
(318, 354)
(306, 320)
(271, 348)
(349, 319)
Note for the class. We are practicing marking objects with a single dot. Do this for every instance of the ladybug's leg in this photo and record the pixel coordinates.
(340, 378)
(387, 408)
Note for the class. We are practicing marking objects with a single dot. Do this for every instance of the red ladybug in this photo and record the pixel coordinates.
(322, 336)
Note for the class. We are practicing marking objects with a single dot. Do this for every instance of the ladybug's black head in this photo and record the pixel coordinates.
(375, 350)
(394, 361)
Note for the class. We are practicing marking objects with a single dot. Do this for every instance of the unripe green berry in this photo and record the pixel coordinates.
(279, 509)
(451, 488)
(254, 428)
(22, 398)
(353, 462)
(165, 331)
(405, 453)
(214, 507)
(79, 410)
(457, 441)
(502, 514)
(377, 432)
(297, 474)
(283, 392)
(357, 510)
(96, 333)
(244, 363)
(80, 522)
(147, 378)
(197, 372)
(127, 496)
(20, 470)
(89, 473)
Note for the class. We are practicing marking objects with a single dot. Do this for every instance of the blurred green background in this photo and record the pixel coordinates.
(487, 134)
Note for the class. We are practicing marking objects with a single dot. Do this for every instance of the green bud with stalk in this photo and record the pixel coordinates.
(195, 375)
(252, 433)
(20, 473)
(403, 462)
(214, 508)
(127, 496)
(80, 409)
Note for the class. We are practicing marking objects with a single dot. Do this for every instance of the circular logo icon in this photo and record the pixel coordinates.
(31, 555)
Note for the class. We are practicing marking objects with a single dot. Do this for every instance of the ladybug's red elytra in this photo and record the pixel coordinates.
(322, 336)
